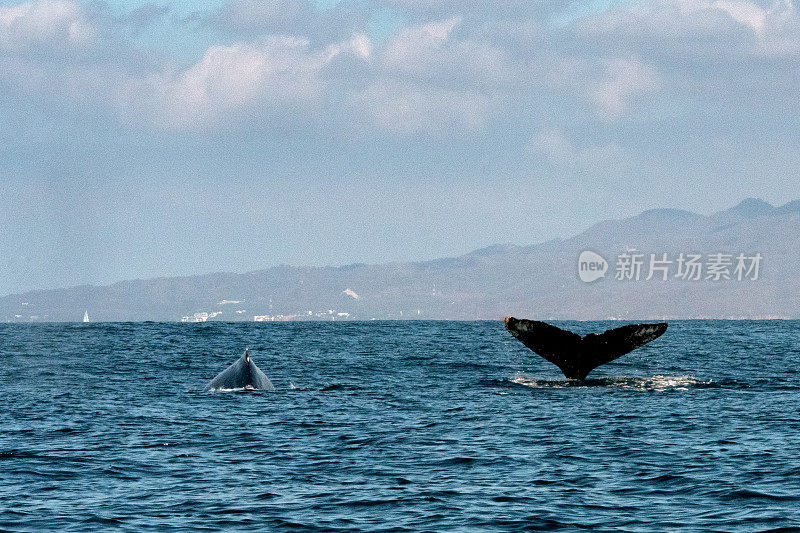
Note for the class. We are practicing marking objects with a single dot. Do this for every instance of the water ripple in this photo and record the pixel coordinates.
(425, 426)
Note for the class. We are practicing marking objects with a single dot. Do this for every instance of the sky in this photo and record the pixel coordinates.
(141, 139)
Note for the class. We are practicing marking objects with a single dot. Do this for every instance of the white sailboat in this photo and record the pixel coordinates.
(86, 316)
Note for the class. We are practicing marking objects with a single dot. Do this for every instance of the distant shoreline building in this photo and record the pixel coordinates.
(197, 317)
(273, 318)
(200, 317)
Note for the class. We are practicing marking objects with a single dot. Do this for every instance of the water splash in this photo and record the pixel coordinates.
(651, 383)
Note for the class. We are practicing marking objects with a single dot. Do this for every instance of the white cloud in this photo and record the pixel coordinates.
(430, 51)
(446, 75)
(53, 49)
(427, 78)
(624, 80)
(483, 7)
(610, 86)
(557, 149)
(700, 28)
(427, 81)
(67, 54)
(361, 45)
(746, 13)
(272, 74)
(553, 145)
(259, 16)
(417, 48)
(407, 109)
(232, 77)
(51, 25)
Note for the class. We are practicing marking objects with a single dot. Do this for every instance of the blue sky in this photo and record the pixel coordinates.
(158, 139)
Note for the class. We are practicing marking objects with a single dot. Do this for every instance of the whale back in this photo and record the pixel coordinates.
(258, 379)
(241, 374)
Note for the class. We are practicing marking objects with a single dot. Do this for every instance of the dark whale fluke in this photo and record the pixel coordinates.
(243, 374)
(576, 356)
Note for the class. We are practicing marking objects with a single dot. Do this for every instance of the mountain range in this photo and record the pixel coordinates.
(538, 281)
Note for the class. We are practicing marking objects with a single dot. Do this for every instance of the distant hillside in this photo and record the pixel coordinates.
(539, 281)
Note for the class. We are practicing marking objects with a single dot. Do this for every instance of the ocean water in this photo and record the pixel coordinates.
(396, 426)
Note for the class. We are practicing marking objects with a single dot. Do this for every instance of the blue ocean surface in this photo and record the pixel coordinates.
(396, 426)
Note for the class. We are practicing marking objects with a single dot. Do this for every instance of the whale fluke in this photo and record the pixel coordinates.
(243, 374)
(576, 356)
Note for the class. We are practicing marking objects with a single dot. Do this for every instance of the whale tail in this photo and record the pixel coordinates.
(576, 356)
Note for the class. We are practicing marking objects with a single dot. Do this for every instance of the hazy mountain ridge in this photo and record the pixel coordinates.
(539, 280)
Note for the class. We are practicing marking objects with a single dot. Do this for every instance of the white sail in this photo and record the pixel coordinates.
(86, 316)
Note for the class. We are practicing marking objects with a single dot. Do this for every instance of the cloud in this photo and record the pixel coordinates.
(52, 26)
(233, 77)
(72, 54)
(409, 109)
(417, 48)
(745, 13)
(253, 19)
(556, 148)
(430, 51)
(455, 74)
(146, 15)
(482, 8)
(260, 16)
(698, 28)
(426, 81)
(429, 77)
(670, 18)
(608, 86)
(624, 80)
(730, 60)
(232, 82)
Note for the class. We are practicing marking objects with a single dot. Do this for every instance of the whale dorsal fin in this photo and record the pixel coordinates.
(576, 356)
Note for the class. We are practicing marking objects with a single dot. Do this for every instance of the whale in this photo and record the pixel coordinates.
(575, 355)
(242, 374)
